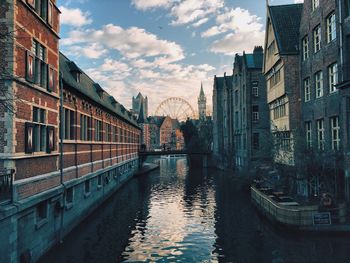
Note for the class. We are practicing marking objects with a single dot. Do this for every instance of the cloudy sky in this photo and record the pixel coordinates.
(162, 48)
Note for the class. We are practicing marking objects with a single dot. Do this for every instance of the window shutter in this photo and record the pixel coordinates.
(29, 137)
(31, 3)
(50, 78)
(30, 67)
(50, 13)
(50, 139)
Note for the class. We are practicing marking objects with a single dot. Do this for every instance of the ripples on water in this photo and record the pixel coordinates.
(182, 215)
(180, 225)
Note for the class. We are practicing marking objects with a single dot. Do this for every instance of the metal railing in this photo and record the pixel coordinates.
(6, 185)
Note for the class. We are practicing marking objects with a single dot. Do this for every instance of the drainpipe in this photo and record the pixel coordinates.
(61, 154)
(341, 40)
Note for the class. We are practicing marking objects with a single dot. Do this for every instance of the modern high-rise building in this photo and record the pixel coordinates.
(136, 105)
(202, 105)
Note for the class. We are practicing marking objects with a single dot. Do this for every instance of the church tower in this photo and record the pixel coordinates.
(202, 104)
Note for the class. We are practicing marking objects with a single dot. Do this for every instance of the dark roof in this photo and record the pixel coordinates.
(158, 120)
(254, 61)
(93, 91)
(286, 22)
(73, 67)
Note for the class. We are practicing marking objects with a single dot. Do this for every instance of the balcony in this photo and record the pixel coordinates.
(6, 184)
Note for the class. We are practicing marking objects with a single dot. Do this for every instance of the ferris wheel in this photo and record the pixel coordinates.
(175, 108)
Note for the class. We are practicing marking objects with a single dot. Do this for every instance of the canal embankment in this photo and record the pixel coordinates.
(285, 211)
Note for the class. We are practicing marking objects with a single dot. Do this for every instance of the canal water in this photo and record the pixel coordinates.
(177, 214)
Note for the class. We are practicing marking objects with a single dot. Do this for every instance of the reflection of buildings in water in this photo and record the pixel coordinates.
(172, 228)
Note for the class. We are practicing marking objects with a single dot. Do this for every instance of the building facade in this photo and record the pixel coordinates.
(66, 144)
(202, 105)
(320, 64)
(281, 70)
(139, 101)
(250, 118)
(219, 94)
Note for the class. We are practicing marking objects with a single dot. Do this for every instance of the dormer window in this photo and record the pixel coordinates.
(75, 71)
(98, 89)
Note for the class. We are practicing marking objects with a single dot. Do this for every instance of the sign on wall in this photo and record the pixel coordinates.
(322, 219)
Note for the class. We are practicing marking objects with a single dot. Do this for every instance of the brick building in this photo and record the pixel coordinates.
(219, 93)
(250, 118)
(281, 70)
(321, 70)
(57, 161)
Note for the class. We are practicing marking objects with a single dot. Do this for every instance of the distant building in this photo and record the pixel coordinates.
(136, 105)
(251, 125)
(145, 127)
(281, 70)
(202, 105)
(164, 132)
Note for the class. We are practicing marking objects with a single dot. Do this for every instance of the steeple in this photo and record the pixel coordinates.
(202, 104)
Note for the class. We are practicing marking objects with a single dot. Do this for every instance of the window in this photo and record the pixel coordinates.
(41, 8)
(333, 77)
(40, 67)
(315, 4)
(85, 128)
(108, 132)
(283, 140)
(320, 134)
(319, 84)
(98, 131)
(307, 91)
(275, 78)
(68, 124)
(308, 134)
(317, 39)
(114, 133)
(41, 211)
(335, 133)
(279, 111)
(331, 28)
(255, 114)
(87, 187)
(305, 48)
(255, 89)
(256, 141)
(69, 195)
(39, 131)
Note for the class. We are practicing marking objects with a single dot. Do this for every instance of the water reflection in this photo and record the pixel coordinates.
(180, 226)
(179, 214)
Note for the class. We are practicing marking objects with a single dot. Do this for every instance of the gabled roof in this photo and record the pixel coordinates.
(285, 20)
(93, 91)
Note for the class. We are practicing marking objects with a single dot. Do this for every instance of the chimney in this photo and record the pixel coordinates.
(258, 50)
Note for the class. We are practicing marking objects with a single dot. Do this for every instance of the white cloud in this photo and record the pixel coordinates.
(74, 17)
(132, 43)
(237, 43)
(148, 4)
(93, 51)
(298, 1)
(242, 31)
(191, 11)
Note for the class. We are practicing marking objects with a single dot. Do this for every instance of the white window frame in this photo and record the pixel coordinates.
(307, 90)
(333, 77)
(315, 4)
(335, 133)
(317, 38)
(331, 28)
(320, 134)
(319, 84)
(305, 44)
(308, 134)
